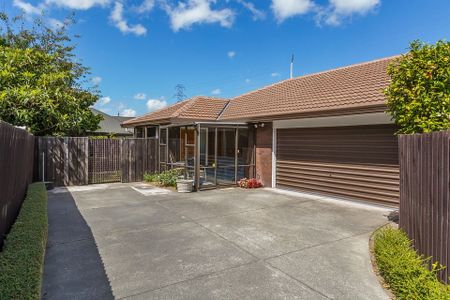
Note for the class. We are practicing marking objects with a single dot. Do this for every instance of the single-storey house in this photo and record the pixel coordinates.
(111, 125)
(324, 133)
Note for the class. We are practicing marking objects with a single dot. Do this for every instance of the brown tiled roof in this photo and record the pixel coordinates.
(347, 88)
(197, 108)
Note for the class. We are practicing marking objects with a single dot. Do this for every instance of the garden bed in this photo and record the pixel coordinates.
(404, 272)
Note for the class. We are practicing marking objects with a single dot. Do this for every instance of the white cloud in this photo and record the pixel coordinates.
(190, 12)
(146, 6)
(284, 9)
(117, 18)
(338, 10)
(275, 74)
(140, 96)
(354, 6)
(216, 92)
(55, 24)
(256, 13)
(79, 4)
(155, 104)
(28, 8)
(128, 112)
(96, 80)
(231, 54)
(104, 100)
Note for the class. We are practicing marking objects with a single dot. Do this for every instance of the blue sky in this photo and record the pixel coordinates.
(138, 50)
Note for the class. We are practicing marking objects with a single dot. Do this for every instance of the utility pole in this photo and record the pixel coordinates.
(179, 92)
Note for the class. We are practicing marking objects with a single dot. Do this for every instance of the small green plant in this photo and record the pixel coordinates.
(22, 257)
(406, 272)
(165, 178)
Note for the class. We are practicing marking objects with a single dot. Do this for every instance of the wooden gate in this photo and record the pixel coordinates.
(105, 160)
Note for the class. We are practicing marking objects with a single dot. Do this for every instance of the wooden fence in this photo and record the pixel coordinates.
(63, 160)
(424, 194)
(79, 161)
(16, 172)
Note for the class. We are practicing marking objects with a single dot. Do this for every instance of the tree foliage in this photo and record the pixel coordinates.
(419, 93)
(41, 81)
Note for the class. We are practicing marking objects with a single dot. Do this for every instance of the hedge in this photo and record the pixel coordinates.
(22, 257)
(405, 272)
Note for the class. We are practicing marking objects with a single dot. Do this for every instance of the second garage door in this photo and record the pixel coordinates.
(359, 162)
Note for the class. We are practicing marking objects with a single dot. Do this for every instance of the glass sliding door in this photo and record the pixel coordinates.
(188, 151)
(226, 156)
(163, 149)
(245, 153)
(207, 157)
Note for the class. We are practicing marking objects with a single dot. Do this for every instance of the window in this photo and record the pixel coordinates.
(151, 132)
(139, 132)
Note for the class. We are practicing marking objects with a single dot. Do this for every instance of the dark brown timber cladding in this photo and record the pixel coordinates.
(359, 162)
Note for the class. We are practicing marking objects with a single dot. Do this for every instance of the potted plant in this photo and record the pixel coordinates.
(251, 183)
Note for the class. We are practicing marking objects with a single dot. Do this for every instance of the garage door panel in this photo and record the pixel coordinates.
(358, 162)
(349, 179)
(364, 170)
(340, 182)
(361, 196)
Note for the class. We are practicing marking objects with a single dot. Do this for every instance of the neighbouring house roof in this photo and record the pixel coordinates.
(111, 124)
(350, 89)
(197, 108)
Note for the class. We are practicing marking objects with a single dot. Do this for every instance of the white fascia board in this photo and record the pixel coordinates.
(333, 121)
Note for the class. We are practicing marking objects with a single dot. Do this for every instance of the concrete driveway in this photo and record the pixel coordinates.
(134, 242)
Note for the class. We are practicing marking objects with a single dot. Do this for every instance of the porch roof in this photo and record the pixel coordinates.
(196, 109)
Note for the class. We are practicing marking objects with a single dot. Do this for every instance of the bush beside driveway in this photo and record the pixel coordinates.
(22, 257)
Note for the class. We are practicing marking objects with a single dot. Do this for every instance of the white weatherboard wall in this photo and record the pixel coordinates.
(350, 120)
(333, 121)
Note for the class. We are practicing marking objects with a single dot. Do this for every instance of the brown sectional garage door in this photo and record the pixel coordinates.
(359, 162)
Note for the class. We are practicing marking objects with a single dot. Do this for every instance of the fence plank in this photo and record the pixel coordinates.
(424, 194)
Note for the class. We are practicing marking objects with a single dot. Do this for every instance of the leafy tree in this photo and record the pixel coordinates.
(41, 82)
(419, 93)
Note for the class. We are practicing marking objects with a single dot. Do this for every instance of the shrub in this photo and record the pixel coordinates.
(406, 273)
(419, 93)
(252, 183)
(22, 258)
(166, 178)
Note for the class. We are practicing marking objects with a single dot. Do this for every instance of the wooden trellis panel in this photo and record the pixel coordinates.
(104, 160)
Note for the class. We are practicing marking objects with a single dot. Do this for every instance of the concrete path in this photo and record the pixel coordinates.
(127, 241)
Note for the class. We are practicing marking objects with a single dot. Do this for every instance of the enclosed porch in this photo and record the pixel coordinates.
(211, 154)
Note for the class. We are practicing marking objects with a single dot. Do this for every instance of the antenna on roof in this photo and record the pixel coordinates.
(292, 67)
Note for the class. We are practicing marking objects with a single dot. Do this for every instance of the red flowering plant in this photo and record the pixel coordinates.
(251, 183)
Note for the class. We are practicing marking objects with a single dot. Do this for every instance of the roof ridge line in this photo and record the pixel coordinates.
(223, 110)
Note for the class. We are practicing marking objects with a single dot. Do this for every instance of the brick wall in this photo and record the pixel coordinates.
(264, 154)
